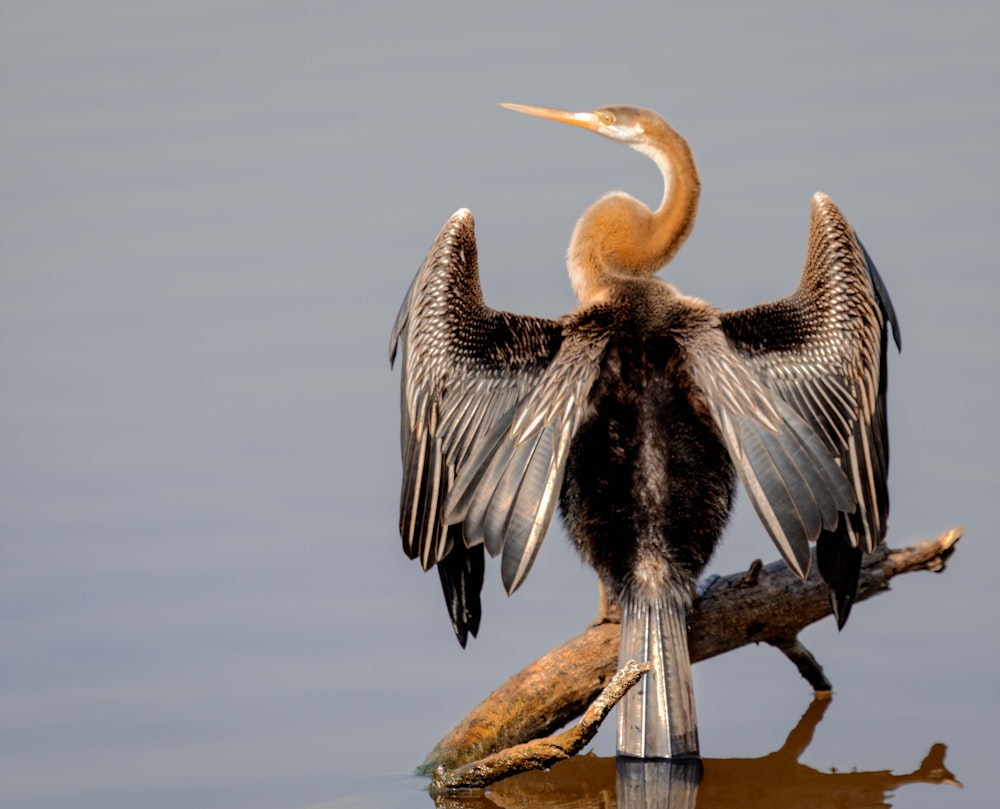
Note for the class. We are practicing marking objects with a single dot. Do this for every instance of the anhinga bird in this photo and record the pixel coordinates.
(636, 412)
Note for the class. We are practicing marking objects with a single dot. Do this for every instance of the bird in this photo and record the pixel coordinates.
(636, 413)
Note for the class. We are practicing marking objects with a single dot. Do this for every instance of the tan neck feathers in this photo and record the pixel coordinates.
(618, 236)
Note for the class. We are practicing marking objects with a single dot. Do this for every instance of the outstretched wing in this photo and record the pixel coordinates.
(793, 481)
(822, 350)
(506, 492)
(481, 390)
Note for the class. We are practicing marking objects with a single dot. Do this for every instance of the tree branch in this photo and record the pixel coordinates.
(765, 604)
(542, 753)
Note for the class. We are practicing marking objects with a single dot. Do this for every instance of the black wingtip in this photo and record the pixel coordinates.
(882, 293)
(461, 573)
(839, 564)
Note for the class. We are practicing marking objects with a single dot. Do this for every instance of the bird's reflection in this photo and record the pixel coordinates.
(777, 779)
(674, 784)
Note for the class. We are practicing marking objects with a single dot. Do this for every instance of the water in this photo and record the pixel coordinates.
(210, 214)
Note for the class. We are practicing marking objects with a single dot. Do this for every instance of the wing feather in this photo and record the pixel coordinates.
(794, 483)
(823, 351)
(506, 491)
(490, 404)
(464, 366)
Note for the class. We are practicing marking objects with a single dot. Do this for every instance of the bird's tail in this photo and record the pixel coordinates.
(656, 718)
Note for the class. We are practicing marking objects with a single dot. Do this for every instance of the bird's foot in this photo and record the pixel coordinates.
(608, 612)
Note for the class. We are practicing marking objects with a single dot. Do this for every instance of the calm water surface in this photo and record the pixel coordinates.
(210, 214)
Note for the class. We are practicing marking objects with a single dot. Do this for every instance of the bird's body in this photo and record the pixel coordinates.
(628, 499)
(636, 412)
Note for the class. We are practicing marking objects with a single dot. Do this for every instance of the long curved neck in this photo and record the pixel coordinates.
(619, 237)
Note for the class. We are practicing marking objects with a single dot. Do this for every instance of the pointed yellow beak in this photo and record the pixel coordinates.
(587, 120)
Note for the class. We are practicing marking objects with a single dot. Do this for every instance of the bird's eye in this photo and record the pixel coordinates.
(607, 118)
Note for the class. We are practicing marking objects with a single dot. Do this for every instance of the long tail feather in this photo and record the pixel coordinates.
(656, 719)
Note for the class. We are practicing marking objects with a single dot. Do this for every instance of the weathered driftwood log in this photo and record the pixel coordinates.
(765, 604)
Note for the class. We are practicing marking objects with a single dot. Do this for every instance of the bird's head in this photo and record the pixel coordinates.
(629, 125)
(618, 235)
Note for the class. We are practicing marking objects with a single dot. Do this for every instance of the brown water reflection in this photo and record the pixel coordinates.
(777, 779)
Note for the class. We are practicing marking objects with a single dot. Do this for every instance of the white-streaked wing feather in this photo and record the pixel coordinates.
(793, 481)
(822, 350)
(464, 367)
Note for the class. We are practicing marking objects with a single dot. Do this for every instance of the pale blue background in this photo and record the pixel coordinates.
(210, 212)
